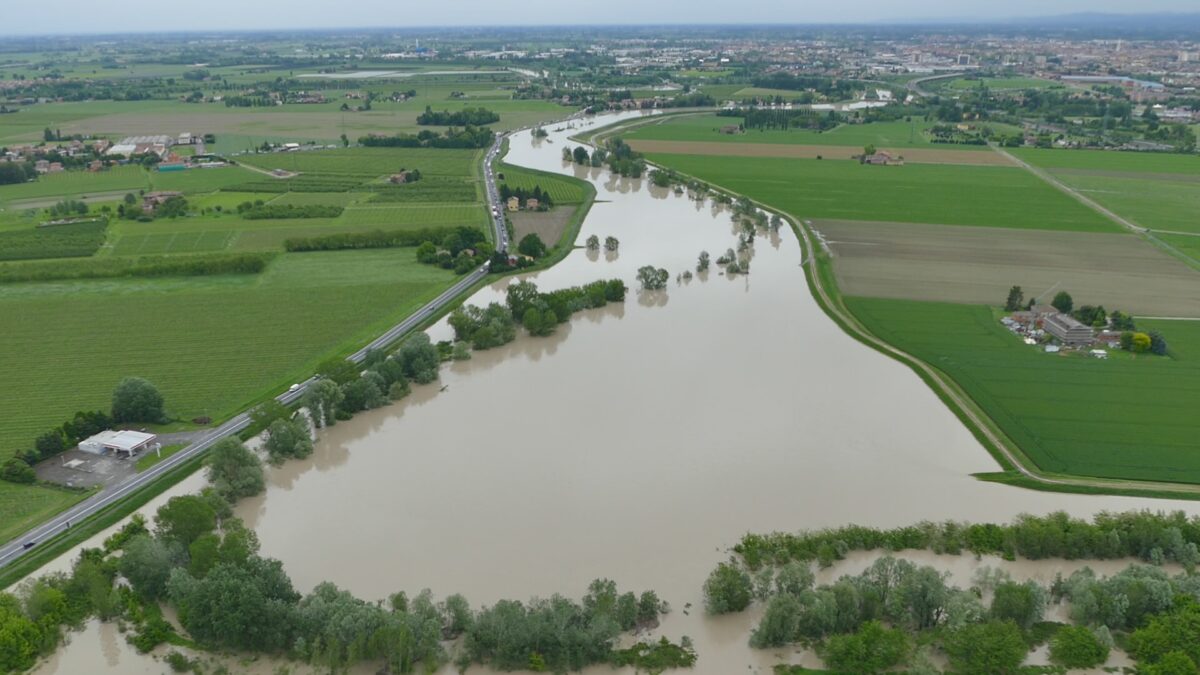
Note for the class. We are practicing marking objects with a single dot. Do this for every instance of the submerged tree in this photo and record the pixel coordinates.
(652, 278)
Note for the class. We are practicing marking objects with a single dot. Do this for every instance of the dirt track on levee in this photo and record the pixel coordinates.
(982, 157)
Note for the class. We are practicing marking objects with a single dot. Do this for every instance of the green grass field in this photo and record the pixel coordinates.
(915, 193)
(705, 127)
(211, 344)
(1126, 417)
(24, 506)
(562, 190)
(1156, 204)
(1001, 83)
(1110, 160)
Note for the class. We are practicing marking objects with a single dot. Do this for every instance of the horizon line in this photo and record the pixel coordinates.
(878, 23)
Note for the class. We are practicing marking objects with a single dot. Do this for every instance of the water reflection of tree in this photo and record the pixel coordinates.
(658, 298)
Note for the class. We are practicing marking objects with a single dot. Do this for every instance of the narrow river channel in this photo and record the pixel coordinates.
(638, 443)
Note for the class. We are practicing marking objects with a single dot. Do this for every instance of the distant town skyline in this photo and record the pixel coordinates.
(123, 16)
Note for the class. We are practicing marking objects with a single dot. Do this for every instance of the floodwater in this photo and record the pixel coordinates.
(638, 443)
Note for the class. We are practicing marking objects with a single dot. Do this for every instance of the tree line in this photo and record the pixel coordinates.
(524, 194)
(538, 312)
(145, 266)
(1149, 536)
(766, 118)
(373, 239)
(468, 116)
(468, 137)
(252, 211)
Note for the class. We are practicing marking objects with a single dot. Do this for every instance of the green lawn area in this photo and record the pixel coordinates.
(24, 506)
(211, 344)
(1110, 160)
(916, 193)
(151, 458)
(705, 127)
(562, 190)
(1126, 417)
(1002, 83)
(1156, 204)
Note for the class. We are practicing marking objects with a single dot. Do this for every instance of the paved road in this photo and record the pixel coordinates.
(114, 493)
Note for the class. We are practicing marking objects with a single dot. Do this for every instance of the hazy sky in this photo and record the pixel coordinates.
(107, 16)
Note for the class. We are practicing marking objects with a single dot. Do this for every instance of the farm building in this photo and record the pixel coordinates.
(883, 158)
(731, 129)
(119, 441)
(152, 200)
(514, 204)
(531, 204)
(1067, 329)
(399, 178)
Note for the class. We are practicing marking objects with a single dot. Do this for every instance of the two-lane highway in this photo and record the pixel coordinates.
(115, 493)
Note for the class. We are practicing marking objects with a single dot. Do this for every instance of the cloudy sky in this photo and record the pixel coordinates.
(106, 16)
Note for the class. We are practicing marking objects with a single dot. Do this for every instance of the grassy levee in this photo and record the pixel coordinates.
(1017, 467)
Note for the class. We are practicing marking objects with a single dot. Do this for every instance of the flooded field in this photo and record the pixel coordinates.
(638, 443)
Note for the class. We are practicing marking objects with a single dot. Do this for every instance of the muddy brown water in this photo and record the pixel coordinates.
(638, 443)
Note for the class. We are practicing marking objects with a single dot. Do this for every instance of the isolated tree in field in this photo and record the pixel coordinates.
(532, 246)
(868, 150)
(653, 279)
(1063, 302)
(611, 243)
(728, 589)
(702, 262)
(136, 400)
(234, 470)
(1016, 299)
(593, 243)
(288, 438)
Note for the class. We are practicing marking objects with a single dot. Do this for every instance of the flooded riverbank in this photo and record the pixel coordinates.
(637, 443)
